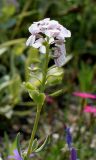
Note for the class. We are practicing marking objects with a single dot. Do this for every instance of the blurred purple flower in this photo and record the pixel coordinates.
(73, 155)
(73, 152)
(68, 137)
(16, 155)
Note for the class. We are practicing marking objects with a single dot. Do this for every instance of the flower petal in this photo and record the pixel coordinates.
(42, 49)
(38, 43)
(84, 95)
(16, 155)
(60, 53)
(68, 137)
(53, 24)
(33, 29)
(52, 33)
(51, 40)
(73, 154)
(65, 31)
(30, 40)
(90, 109)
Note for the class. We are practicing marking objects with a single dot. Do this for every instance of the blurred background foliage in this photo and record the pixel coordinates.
(17, 111)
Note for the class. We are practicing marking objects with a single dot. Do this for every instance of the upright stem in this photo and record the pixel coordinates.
(34, 129)
(39, 107)
(45, 70)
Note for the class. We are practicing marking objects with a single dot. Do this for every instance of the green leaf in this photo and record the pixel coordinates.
(19, 49)
(29, 86)
(12, 42)
(34, 145)
(15, 145)
(37, 97)
(6, 141)
(40, 98)
(58, 93)
(2, 50)
(18, 143)
(43, 145)
(33, 94)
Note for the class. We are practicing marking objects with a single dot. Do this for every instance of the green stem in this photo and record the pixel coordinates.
(83, 104)
(45, 70)
(39, 107)
(34, 129)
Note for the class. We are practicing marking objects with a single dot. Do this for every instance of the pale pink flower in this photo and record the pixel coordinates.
(30, 40)
(90, 109)
(59, 55)
(64, 33)
(52, 32)
(36, 43)
(53, 24)
(84, 95)
(39, 26)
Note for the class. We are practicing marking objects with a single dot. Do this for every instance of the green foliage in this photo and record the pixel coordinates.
(37, 97)
(11, 146)
(85, 77)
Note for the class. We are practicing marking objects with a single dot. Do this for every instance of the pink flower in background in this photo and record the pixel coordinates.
(84, 95)
(90, 109)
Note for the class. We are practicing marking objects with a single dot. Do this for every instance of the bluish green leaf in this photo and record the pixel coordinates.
(43, 145)
(34, 145)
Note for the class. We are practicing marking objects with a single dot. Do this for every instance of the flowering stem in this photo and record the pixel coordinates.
(45, 69)
(34, 129)
(39, 107)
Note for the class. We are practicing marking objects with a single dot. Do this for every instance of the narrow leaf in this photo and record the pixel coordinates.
(18, 143)
(43, 145)
(34, 145)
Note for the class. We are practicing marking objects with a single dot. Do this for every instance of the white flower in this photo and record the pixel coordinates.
(59, 55)
(43, 22)
(64, 33)
(30, 40)
(51, 40)
(50, 28)
(36, 43)
(53, 24)
(52, 32)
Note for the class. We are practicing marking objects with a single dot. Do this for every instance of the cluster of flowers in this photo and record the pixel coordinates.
(54, 34)
(73, 152)
(87, 108)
